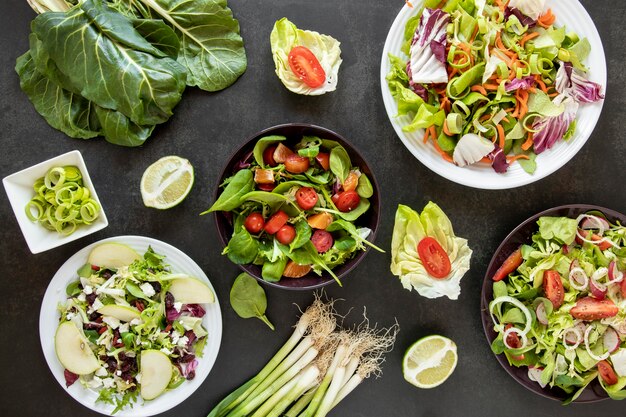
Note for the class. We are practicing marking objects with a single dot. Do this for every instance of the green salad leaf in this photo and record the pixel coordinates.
(248, 299)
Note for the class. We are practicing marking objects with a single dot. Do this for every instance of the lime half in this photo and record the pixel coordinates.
(167, 182)
(429, 361)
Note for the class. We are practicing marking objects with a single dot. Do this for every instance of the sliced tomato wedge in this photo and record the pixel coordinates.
(306, 66)
(553, 287)
(434, 258)
(589, 309)
(509, 265)
(607, 373)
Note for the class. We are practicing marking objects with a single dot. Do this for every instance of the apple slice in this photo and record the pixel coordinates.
(112, 256)
(123, 313)
(156, 372)
(73, 351)
(190, 290)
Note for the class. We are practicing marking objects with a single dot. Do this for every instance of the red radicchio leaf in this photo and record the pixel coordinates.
(520, 83)
(573, 83)
(195, 310)
(498, 160)
(428, 48)
(70, 378)
(551, 129)
(524, 20)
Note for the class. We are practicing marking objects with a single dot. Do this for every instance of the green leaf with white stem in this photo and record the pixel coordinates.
(262, 144)
(351, 229)
(248, 299)
(273, 271)
(211, 48)
(239, 185)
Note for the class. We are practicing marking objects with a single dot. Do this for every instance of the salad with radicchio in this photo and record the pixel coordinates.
(491, 81)
(130, 328)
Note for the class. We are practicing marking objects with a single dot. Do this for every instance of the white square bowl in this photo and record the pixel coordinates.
(19, 189)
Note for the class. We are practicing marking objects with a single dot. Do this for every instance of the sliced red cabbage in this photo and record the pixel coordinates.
(524, 20)
(552, 128)
(417, 88)
(498, 160)
(531, 8)
(523, 83)
(572, 82)
(428, 48)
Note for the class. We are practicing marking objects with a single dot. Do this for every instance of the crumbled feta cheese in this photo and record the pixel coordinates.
(108, 382)
(88, 289)
(82, 297)
(147, 289)
(138, 378)
(111, 321)
(178, 306)
(119, 341)
(70, 315)
(183, 341)
(166, 351)
(175, 336)
(102, 371)
(97, 304)
(118, 373)
(94, 383)
(124, 328)
(130, 354)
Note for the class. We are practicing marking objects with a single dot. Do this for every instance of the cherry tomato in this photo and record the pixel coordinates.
(604, 245)
(623, 288)
(553, 287)
(607, 373)
(296, 164)
(434, 258)
(286, 234)
(347, 200)
(509, 265)
(306, 198)
(322, 240)
(254, 223)
(266, 187)
(323, 158)
(305, 65)
(351, 182)
(268, 156)
(278, 220)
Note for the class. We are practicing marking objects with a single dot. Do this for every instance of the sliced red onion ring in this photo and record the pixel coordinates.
(588, 349)
(534, 374)
(611, 340)
(578, 279)
(594, 222)
(597, 288)
(574, 264)
(614, 274)
(540, 311)
(583, 237)
(519, 333)
(572, 337)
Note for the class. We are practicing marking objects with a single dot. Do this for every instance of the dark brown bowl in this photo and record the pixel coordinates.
(521, 235)
(370, 219)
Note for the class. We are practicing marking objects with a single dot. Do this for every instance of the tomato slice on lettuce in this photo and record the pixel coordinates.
(306, 66)
(434, 258)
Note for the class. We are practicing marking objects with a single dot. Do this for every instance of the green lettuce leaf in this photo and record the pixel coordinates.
(562, 229)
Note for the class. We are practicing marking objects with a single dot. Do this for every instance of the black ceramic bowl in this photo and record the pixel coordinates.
(522, 235)
(294, 132)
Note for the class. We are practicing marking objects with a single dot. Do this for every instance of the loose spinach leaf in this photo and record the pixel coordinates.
(273, 271)
(309, 152)
(211, 48)
(248, 299)
(73, 289)
(240, 184)
(351, 216)
(242, 247)
(262, 144)
(303, 235)
(272, 200)
(351, 229)
(345, 244)
(364, 188)
(321, 178)
(340, 163)
(283, 187)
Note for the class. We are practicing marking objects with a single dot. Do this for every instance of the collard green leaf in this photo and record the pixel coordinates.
(159, 34)
(248, 299)
(240, 184)
(211, 47)
(99, 51)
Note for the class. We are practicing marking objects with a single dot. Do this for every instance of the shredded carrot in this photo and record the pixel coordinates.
(440, 5)
(445, 128)
(516, 157)
(474, 34)
(500, 130)
(553, 94)
(486, 160)
(490, 86)
(445, 104)
(484, 117)
(547, 19)
(479, 89)
(528, 37)
(542, 85)
(529, 142)
(506, 119)
(426, 135)
(408, 3)
(433, 132)
(443, 154)
(503, 48)
(453, 72)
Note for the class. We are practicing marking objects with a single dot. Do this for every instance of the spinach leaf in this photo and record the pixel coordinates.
(135, 291)
(340, 163)
(262, 144)
(303, 235)
(85, 271)
(242, 247)
(211, 48)
(356, 234)
(327, 143)
(73, 289)
(272, 200)
(345, 244)
(351, 216)
(239, 185)
(248, 299)
(309, 152)
(273, 271)
(364, 188)
(283, 187)
(308, 255)
(321, 178)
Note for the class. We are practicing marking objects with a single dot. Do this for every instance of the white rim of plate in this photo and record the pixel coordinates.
(569, 13)
(49, 319)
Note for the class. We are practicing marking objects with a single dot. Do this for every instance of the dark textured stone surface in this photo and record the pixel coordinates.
(206, 128)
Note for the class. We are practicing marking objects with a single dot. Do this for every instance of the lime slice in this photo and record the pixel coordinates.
(167, 182)
(429, 361)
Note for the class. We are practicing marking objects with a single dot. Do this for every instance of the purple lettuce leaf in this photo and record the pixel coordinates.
(427, 62)
(417, 88)
(524, 20)
(573, 83)
(551, 129)
(70, 378)
(498, 160)
(523, 83)
(194, 310)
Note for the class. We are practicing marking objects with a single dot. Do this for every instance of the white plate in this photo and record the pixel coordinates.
(49, 320)
(19, 188)
(569, 13)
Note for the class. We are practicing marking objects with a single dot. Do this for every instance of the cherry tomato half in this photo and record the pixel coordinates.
(434, 258)
(322, 240)
(347, 200)
(286, 234)
(607, 373)
(278, 220)
(553, 287)
(254, 223)
(268, 156)
(296, 164)
(306, 197)
(306, 66)
(323, 158)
